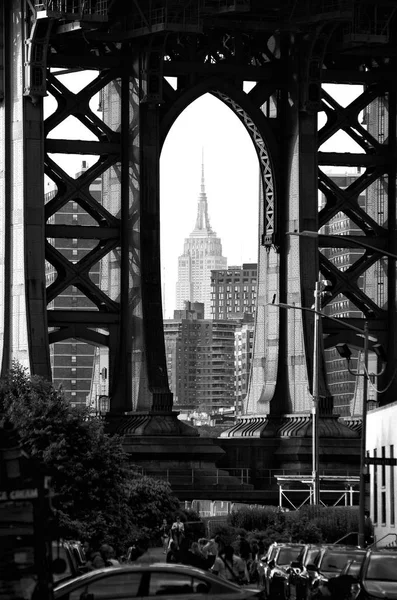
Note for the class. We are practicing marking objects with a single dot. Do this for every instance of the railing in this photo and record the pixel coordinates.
(194, 477)
(260, 478)
(76, 8)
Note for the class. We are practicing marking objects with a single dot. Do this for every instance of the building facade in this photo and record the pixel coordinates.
(233, 291)
(381, 446)
(72, 360)
(202, 253)
(243, 349)
(200, 360)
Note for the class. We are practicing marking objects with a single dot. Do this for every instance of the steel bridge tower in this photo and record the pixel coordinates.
(288, 51)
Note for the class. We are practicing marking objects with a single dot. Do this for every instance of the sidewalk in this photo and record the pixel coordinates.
(152, 555)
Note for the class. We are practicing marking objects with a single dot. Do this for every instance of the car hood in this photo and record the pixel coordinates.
(329, 574)
(381, 589)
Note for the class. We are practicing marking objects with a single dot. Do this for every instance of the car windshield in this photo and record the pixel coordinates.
(382, 568)
(334, 562)
(287, 555)
(311, 556)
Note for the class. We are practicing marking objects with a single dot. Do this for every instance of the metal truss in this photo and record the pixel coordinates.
(376, 177)
(297, 490)
(216, 47)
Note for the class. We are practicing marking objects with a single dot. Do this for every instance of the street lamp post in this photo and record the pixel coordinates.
(363, 469)
(315, 437)
(316, 368)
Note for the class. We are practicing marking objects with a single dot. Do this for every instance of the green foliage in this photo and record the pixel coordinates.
(310, 524)
(98, 496)
(334, 522)
(227, 532)
(152, 501)
(254, 518)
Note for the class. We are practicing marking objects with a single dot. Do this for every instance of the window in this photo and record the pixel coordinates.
(175, 584)
(121, 586)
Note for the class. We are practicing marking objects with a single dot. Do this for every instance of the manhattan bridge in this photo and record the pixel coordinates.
(288, 51)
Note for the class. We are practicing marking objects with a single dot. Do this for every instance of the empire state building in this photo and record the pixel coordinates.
(202, 252)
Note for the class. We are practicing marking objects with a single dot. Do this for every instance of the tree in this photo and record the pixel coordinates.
(151, 501)
(98, 495)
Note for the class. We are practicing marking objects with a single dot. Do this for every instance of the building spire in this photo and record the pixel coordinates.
(202, 221)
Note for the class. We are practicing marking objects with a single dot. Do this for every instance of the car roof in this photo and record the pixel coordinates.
(380, 551)
(338, 548)
(142, 567)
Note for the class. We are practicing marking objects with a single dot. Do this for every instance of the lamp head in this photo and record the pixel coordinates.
(380, 352)
(344, 351)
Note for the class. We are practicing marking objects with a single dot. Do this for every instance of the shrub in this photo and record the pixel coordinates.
(310, 524)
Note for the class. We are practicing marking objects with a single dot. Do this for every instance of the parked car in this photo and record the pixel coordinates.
(376, 577)
(299, 577)
(329, 564)
(68, 560)
(275, 565)
(151, 581)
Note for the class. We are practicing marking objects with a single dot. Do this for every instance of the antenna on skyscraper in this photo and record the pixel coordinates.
(202, 170)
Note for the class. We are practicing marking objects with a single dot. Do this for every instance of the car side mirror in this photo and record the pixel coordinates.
(271, 563)
(295, 564)
(311, 567)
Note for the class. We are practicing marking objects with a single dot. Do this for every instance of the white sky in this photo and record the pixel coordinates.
(231, 177)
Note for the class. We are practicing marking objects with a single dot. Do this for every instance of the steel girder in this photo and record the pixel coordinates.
(280, 114)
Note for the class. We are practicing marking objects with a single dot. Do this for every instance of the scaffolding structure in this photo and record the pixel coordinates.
(344, 486)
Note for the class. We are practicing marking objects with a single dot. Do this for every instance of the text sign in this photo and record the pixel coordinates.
(27, 494)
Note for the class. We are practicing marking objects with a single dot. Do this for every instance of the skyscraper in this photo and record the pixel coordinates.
(202, 252)
(200, 359)
(233, 291)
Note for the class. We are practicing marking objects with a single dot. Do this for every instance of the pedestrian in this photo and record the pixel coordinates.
(253, 562)
(195, 557)
(203, 545)
(173, 553)
(94, 557)
(368, 529)
(165, 535)
(177, 531)
(229, 566)
(108, 555)
(243, 547)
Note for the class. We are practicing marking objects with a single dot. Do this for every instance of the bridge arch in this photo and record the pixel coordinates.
(261, 130)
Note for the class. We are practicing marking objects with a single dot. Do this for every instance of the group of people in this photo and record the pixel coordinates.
(238, 562)
(173, 535)
(104, 556)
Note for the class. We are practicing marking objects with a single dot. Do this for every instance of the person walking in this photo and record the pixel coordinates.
(94, 557)
(109, 556)
(368, 529)
(165, 535)
(229, 566)
(173, 555)
(177, 531)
